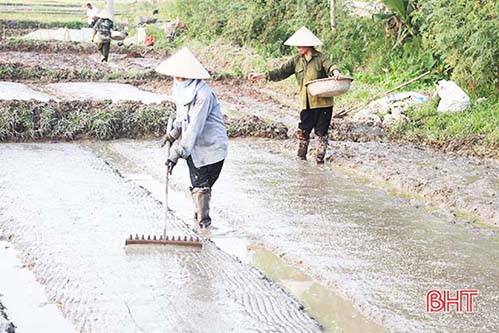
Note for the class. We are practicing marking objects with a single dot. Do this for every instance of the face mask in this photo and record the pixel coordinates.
(184, 91)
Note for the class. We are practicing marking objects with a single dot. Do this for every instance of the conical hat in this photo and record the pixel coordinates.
(183, 64)
(303, 37)
(104, 14)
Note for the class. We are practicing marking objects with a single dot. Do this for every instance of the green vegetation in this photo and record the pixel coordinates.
(32, 120)
(70, 120)
(478, 126)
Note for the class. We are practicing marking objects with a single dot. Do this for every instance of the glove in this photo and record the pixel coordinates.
(171, 137)
(172, 160)
(170, 165)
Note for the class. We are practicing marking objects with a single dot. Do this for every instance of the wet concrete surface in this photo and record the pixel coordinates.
(104, 90)
(380, 252)
(68, 213)
(12, 90)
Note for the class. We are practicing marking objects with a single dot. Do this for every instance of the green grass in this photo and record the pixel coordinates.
(481, 122)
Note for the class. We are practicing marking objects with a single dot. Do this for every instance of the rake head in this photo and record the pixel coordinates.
(147, 240)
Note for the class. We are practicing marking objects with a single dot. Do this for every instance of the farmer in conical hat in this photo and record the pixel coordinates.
(308, 65)
(199, 133)
(103, 28)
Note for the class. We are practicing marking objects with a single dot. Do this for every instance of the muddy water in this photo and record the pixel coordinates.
(12, 90)
(379, 252)
(104, 90)
(26, 303)
(68, 214)
(62, 34)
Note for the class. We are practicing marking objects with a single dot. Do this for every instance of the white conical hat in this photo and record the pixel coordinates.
(183, 64)
(303, 37)
(104, 14)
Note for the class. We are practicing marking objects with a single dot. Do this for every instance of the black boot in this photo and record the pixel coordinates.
(321, 148)
(303, 144)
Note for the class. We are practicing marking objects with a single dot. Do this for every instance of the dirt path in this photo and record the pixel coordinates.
(69, 213)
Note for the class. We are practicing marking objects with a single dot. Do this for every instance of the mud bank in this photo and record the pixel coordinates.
(471, 146)
(466, 185)
(68, 213)
(20, 45)
(69, 120)
(21, 72)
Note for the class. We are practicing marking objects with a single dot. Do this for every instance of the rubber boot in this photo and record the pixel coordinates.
(321, 148)
(201, 197)
(303, 144)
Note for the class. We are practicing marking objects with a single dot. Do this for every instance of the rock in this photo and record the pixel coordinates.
(364, 115)
(391, 120)
(399, 108)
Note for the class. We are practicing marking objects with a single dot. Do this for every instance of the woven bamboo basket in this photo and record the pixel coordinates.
(118, 35)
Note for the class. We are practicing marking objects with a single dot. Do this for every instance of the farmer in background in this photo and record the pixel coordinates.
(102, 29)
(316, 112)
(199, 133)
(92, 12)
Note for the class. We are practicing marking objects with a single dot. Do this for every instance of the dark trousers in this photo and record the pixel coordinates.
(205, 176)
(315, 119)
(104, 49)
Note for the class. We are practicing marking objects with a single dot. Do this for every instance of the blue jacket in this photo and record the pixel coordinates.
(203, 133)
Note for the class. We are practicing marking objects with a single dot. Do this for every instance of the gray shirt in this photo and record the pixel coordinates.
(204, 136)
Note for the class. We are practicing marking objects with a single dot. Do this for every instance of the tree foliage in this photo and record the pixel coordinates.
(465, 35)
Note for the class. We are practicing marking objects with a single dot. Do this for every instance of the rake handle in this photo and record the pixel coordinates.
(165, 205)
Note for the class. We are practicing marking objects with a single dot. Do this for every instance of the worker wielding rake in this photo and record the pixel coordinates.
(308, 65)
(198, 135)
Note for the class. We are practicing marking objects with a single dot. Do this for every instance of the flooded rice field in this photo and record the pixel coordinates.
(380, 252)
(68, 213)
(352, 246)
(97, 91)
(13, 90)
